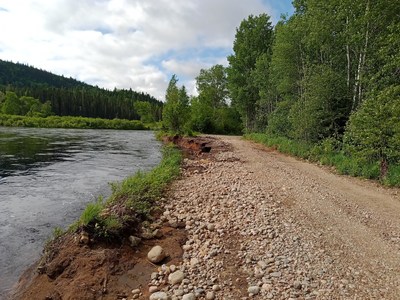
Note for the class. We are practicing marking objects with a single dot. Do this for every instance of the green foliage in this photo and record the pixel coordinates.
(142, 190)
(176, 111)
(329, 152)
(11, 104)
(69, 97)
(210, 112)
(145, 111)
(91, 214)
(373, 132)
(253, 38)
(69, 122)
(131, 200)
(323, 109)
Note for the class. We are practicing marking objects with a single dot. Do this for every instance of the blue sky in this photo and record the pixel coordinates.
(134, 44)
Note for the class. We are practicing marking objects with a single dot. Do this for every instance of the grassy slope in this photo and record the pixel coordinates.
(326, 153)
(130, 203)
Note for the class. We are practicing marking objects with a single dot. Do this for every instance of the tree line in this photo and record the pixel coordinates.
(328, 74)
(69, 97)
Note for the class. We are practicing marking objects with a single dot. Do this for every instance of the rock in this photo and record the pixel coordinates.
(254, 290)
(172, 268)
(210, 296)
(135, 291)
(179, 292)
(156, 254)
(176, 277)
(84, 238)
(275, 274)
(194, 261)
(153, 289)
(262, 264)
(266, 287)
(211, 227)
(159, 296)
(189, 296)
(297, 285)
(135, 241)
(216, 287)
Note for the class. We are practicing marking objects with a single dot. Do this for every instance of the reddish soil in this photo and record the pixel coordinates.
(105, 271)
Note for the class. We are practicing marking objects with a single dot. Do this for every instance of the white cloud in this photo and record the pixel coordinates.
(123, 43)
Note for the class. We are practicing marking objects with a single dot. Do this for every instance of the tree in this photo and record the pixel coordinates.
(12, 104)
(212, 86)
(176, 110)
(253, 38)
(145, 111)
(373, 131)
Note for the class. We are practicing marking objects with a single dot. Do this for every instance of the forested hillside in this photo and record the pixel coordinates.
(329, 76)
(323, 84)
(69, 97)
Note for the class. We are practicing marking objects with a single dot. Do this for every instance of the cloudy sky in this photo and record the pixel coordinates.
(134, 44)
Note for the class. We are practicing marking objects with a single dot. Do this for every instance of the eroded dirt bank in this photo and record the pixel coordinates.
(257, 224)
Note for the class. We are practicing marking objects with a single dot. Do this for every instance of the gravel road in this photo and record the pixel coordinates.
(263, 225)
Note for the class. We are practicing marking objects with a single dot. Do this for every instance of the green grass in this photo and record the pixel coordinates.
(131, 201)
(70, 122)
(329, 153)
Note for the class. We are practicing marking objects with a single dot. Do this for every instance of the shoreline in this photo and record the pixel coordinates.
(251, 223)
(70, 247)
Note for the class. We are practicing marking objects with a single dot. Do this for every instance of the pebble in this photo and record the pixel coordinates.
(210, 296)
(238, 224)
(176, 277)
(254, 290)
(189, 296)
(135, 291)
(156, 254)
(159, 296)
(153, 289)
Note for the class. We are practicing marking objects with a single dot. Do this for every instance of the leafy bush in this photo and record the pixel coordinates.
(69, 122)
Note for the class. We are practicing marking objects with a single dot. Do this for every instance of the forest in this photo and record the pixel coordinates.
(69, 97)
(322, 84)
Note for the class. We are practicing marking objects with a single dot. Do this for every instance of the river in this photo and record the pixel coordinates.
(47, 176)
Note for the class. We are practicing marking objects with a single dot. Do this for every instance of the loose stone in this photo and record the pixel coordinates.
(156, 254)
(210, 296)
(176, 277)
(253, 290)
(159, 296)
(189, 296)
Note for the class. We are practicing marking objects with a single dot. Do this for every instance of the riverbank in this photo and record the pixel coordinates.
(70, 122)
(105, 240)
(257, 224)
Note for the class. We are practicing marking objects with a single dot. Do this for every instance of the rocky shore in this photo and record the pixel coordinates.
(246, 223)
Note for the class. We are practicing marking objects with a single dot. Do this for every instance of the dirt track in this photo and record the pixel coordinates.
(356, 222)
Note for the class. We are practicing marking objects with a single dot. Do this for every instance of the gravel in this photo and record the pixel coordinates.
(246, 238)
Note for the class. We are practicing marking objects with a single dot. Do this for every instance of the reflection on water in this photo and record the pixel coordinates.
(48, 175)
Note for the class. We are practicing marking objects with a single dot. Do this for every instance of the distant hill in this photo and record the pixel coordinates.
(21, 75)
(70, 97)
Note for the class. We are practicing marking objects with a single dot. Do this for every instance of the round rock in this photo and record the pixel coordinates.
(176, 277)
(156, 254)
(253, 290)
(159, 296)
(189, 296)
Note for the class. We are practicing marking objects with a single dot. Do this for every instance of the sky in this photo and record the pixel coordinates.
(120, 44)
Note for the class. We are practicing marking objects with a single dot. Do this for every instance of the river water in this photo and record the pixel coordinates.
(47, 176)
